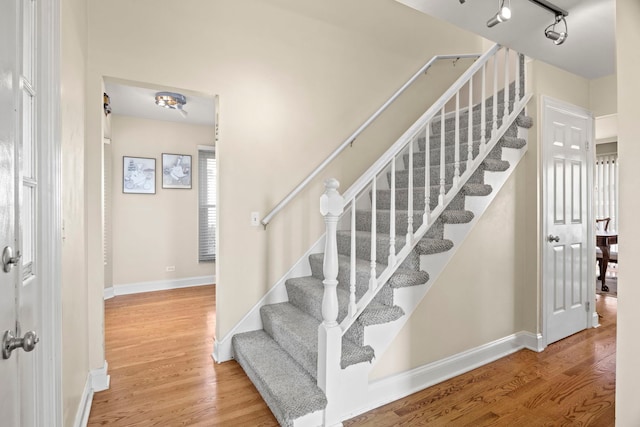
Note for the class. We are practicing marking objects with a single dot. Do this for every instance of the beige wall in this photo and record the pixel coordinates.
(475, 299)
(153, 231)
(603, 96)
(75, 356)
(628, 345)
(295, 78)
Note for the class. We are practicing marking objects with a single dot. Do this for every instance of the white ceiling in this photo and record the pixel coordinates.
(138, 100)
(589, 50)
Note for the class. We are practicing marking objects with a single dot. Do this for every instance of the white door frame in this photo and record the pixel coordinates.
(49, 163)
(546, 103)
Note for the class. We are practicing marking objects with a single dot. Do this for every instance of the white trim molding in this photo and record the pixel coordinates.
(157, 285)
(84, 408)
(97, 380)
(398, 386)
(100, 380)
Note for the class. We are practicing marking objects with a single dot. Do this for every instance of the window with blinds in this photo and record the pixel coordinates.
(606, 189)
(206, 205)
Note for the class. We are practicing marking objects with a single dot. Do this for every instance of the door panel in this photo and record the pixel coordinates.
(565, 248)
(9, 391)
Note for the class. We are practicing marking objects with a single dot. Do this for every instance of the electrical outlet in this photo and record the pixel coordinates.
(255, 219)
(171, 268)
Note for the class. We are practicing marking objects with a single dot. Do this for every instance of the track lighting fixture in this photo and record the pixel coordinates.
(558, 37)
(503, 14)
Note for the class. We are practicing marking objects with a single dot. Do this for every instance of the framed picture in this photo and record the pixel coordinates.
(176, 170)
(138, 175)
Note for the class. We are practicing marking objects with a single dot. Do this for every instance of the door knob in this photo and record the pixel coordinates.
(552, 238)
(8, 260)
(10, 343)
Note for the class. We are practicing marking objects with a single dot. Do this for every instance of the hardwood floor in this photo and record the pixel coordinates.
(159, 345)
(571, 383)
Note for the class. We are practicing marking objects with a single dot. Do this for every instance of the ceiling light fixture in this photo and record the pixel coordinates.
(558, 37)
(503, 14)
(172, 100)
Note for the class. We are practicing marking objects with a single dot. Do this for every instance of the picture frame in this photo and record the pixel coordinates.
(138, 175)
(176, 171)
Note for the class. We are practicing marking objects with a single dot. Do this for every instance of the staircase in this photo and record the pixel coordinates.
(394, 228)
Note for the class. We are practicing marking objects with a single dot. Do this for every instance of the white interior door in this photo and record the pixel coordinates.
(9, 391)
(19, 281)
(566, 136)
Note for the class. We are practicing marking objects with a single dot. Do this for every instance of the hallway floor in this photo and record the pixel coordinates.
(159, 348)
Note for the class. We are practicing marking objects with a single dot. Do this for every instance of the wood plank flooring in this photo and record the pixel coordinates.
(159, 345)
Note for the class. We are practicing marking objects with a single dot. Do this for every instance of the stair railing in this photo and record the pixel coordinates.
(350, 140)
(447, 186)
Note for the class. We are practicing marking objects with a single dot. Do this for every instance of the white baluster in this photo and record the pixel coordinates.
(470, 126)
(392, 216)
(352, 278)
(517, 79)
(410, 200)
(494, 129)
(442, 159)
(483, 111)
(329, 331)
(374, 207)
(506, 85)
(605, 187)
(456, 148)
(331, 207)
(427, 175)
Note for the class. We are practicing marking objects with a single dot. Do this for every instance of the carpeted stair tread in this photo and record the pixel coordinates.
(456, 216)
(524, 121)
(297, 333)
(287, 388)
(427, 246)
(471, 189)
(306, 294)
(495, 165)
(401, 277)
(377, 314)
(512, 142)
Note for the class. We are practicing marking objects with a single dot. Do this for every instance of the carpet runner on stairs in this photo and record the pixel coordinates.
(281, 359)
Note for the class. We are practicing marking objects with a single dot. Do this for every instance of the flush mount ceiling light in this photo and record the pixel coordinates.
(172, 100)
(558, 37)
(503, 14)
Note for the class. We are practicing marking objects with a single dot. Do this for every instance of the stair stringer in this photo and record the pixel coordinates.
(357, 397)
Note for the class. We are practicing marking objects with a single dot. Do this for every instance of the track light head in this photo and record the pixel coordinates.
(558, 37)
(504, 14)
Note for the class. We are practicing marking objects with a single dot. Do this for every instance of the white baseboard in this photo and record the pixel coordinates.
(97, 380)
(108, 292)
(84, 408)
(158, 285)
(398, 386)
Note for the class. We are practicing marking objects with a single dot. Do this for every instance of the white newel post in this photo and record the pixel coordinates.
(329, 331)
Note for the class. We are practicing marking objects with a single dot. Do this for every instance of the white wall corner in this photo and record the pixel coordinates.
(84, 408)
(108, 293)
(99, 378)
(222, 351)
(161, 285)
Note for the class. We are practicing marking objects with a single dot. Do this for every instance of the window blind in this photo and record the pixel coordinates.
(606, 189)
(207, 205)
